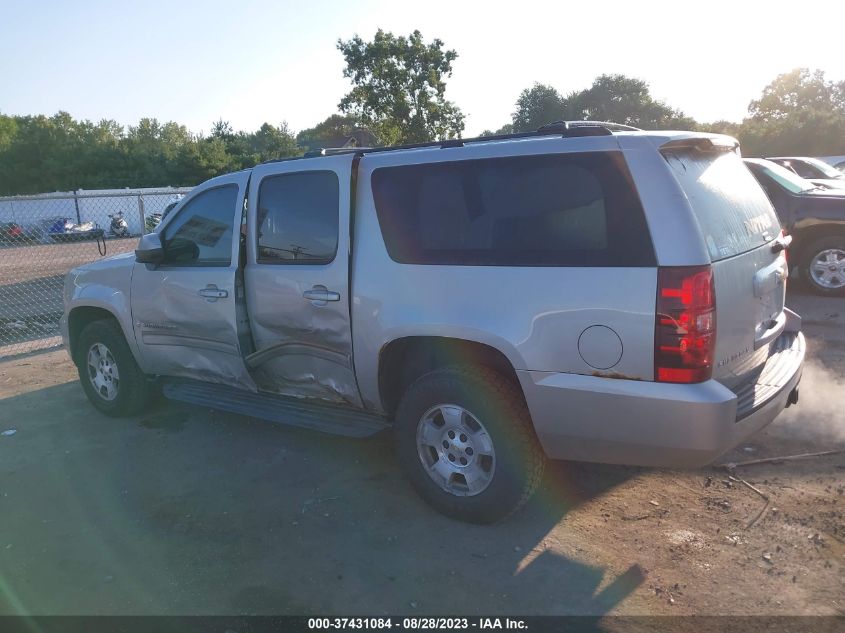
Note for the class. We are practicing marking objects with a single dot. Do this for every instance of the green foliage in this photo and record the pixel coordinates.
(399, 95)
(626, 100)
(58, 153)
(799, 113)
(795, 93)
(507, 128)
(615, 98)
(8, 130)
(398, 90)
(537, 106)
(329, 132)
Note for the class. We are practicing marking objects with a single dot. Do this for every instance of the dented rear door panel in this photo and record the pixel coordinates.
(298, 307)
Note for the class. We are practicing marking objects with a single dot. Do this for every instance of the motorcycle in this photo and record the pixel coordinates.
(11, 233)
(118, 227)
(152, 221)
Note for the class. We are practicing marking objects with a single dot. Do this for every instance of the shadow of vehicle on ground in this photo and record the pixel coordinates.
(187, 510)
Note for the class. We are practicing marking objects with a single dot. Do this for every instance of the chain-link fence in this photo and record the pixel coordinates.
(42, 237)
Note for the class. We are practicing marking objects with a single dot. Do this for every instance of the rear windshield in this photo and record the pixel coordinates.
(732, 209)
(575, 209)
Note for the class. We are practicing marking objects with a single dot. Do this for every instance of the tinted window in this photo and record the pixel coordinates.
(201, 235)
(557, 210)
(732, 210)
(298, 218)
(804, 170)
(822, 169)
(784, 177)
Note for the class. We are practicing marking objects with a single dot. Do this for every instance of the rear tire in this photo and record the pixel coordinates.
(111, 378)
(464, 436)
(823, 267)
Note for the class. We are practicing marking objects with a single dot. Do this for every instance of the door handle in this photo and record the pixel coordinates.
(212, 292)
(320, 295)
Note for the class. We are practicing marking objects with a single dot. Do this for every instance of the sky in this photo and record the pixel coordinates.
(251, 61)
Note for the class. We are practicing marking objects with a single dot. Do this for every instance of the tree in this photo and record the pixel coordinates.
(731, 128)
(44, 154)
(625, 100)
(152, 153)
(328, 132)
(399, 90)
(537, 106)
(614, 98)
(507, 128)
(58, 153)
(799, 113)
(8, 131)
(221, 129)
(270, 142)
(201, 160)
(797, 92)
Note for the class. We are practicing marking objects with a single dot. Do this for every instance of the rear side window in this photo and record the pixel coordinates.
(298, 218)
(731, 208)
(553, 210)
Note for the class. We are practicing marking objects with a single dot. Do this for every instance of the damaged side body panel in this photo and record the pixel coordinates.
(188, 314)
(297, 279)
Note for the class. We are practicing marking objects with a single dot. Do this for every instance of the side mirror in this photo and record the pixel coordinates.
(150, 249)
(182, 251)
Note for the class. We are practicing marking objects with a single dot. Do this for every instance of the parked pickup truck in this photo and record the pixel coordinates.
(814, 217)
(585, 292)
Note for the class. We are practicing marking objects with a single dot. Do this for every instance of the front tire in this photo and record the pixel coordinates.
(464, 437)
(111, 378)
(824, 266)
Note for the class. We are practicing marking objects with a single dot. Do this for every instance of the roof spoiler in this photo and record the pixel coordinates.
(707, 144)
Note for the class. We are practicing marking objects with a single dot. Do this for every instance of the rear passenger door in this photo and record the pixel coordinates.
(297, 278)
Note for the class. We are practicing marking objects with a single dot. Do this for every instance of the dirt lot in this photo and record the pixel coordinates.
(188, 511)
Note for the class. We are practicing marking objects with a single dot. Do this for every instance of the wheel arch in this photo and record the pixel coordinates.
(403, 360)
(79, 317)
(808, 236)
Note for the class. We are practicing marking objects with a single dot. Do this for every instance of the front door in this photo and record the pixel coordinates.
(297, 278)
(186, 311)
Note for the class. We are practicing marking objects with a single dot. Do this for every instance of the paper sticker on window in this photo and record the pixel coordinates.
(203, 231)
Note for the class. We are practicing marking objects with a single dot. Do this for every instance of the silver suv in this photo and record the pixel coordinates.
(584, 292)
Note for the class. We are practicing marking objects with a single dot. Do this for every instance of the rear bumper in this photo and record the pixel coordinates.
(589, 418)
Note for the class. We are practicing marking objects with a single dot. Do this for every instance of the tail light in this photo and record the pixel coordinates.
(685, 324)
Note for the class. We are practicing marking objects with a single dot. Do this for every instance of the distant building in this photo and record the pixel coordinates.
(360, 137)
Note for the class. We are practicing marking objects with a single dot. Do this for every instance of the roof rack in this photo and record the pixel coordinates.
(565, 129)
(614, 127)
(328, 151)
